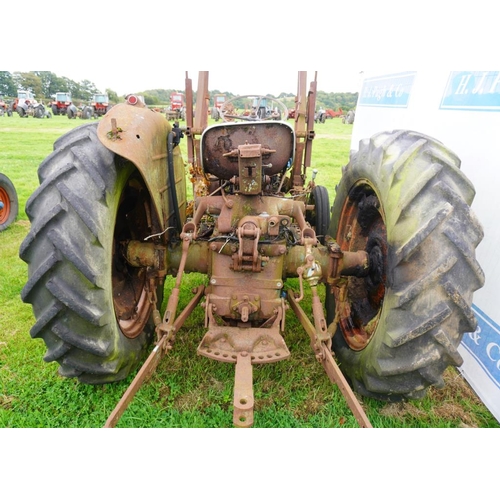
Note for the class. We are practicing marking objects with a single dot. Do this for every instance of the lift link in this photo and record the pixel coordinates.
(324, 356)
(165, 331)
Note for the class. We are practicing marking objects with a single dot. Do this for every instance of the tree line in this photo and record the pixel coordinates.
(45, 84)
(326, 100)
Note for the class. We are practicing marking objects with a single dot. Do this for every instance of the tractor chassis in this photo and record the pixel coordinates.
(246, 346)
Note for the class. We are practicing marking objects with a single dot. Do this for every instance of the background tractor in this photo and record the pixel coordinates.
(26, 105)
(62, 105)
(97, 107)
(394, 257)
(177, 108)
(219, 100)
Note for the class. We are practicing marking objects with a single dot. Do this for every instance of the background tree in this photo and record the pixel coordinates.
(7, 85)
(112, 95)
(29, 81)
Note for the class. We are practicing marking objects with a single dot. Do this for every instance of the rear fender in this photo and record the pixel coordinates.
(139, 135)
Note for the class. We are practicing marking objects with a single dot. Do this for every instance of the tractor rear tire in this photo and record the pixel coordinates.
(319, 217)
(39, 112)
(403, 199)
(8, 197)
(78, 283)
(87, 113)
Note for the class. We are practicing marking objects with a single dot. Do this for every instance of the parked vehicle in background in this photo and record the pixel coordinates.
(26, 105)
(177, 108)
(98, 106)
(61, 101)
(219, 100)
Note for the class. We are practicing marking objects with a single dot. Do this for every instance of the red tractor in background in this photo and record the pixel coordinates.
(98, 106)
(63, 105)
(177, 108)
(26, 105)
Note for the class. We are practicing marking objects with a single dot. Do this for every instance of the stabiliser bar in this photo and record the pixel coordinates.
(150, 365)
(324, 356)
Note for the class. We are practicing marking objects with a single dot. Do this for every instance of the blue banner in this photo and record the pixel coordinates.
(484, 345)
(472, 91)
(391, 91)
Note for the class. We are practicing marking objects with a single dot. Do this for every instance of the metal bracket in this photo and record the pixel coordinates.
(324, 356)
(149, 366)
(243, 391)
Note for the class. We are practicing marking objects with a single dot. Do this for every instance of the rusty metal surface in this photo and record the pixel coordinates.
(142, 376)
(139, 135)
(219, 140)
(152, 361)
(243, 399)
(247, 243)
(337, 377)
(331, 368)
(224, 343)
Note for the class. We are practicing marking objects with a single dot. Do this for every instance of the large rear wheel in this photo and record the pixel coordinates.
(92, 308)
(404, 201)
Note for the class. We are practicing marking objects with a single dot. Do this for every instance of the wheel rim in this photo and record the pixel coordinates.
(130, 284)
(362, 227)
(5, 200)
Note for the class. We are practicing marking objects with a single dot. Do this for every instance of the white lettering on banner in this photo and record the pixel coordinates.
(495, 83)
(392, 91)
(484, 345)
(472, 91)
(474, 336)
(479, 89)
(493, 351)
(462, 86)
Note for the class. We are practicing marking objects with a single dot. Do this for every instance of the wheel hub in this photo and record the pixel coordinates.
(130, 284)
(4, 205)
(362, 227)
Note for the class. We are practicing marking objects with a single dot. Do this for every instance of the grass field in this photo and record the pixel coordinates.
(186, 390)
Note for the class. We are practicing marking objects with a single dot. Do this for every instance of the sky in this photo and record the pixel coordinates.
(254, 48)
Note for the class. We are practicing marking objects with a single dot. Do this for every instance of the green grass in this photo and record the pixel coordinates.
(186, 390)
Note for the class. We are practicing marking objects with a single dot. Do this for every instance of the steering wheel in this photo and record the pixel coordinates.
(259, 109)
